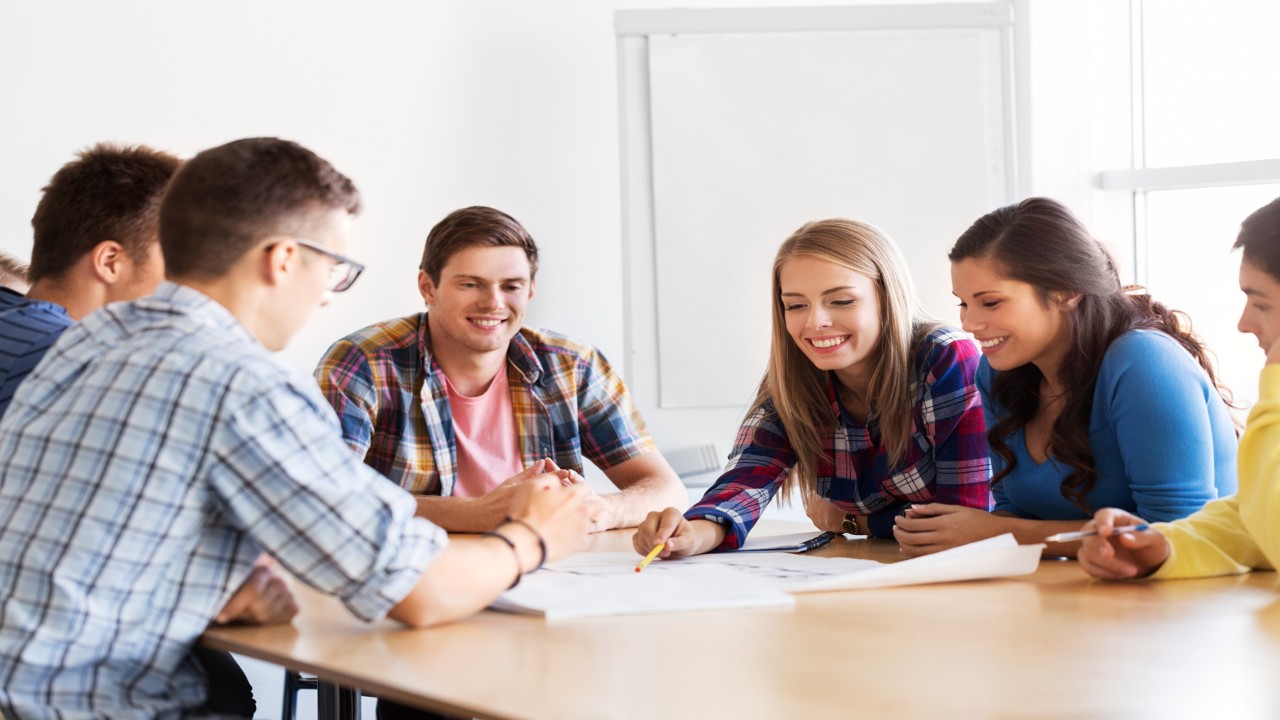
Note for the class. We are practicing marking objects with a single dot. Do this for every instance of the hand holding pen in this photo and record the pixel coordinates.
(1113, 549)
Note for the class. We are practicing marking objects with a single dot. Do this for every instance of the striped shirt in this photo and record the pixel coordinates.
(27, 329)
(391, 399)
(143, 467)
(946, 460)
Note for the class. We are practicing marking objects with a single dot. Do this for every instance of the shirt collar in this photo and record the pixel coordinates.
(519, 352)
(169, 296)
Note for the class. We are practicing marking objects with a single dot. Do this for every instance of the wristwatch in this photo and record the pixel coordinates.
(850, 525)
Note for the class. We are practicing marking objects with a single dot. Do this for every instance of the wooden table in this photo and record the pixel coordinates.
(1049, 645)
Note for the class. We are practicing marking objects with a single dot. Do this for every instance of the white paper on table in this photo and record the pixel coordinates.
(565, 591)
(779, 569)
(1000, 556)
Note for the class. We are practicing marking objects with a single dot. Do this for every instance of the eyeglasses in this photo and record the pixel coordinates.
(344, 272)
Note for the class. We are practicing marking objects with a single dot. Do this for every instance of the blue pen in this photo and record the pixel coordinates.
(1082, 534)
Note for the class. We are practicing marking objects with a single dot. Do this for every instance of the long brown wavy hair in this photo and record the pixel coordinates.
(1038, 241)
(798, 389)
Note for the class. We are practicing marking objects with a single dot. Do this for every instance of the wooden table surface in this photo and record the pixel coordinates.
(1050, 645)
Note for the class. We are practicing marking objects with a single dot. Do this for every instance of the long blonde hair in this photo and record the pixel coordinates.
(799, 390)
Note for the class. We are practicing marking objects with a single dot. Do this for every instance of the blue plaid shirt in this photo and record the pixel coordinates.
(144, 465)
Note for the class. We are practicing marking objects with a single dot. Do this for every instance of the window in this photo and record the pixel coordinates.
(1206, 134)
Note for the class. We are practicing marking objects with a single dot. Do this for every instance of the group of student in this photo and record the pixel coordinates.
(158, 460)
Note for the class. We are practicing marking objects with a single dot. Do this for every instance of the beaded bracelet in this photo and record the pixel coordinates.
(512, 545)
(542, 544)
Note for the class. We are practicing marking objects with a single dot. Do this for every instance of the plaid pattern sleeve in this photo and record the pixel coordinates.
(327, 518)
(760, 460)
(569, 403)
(951, 408)
(347, 381)
(392, 408)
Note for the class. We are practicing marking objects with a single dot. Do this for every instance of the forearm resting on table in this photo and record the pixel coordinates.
(460, 514)
(466, 576)
(629, 506)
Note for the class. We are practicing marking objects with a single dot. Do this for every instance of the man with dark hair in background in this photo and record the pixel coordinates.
(94, 243)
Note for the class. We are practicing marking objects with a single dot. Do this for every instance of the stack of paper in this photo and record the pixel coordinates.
(592, 584)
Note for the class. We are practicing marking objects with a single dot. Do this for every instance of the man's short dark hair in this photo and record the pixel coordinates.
(1260, 238)
(109, 192)
(227, 199)
(476, 225)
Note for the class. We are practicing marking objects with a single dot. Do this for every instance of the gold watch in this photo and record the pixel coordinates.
(850, 525)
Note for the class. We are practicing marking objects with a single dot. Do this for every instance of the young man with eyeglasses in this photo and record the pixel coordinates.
(164, 448)
(95, 241)
(460, 404)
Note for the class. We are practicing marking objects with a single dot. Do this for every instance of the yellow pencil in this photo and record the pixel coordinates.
(652, 554)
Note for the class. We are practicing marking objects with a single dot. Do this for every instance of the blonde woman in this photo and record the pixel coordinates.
(866, 406)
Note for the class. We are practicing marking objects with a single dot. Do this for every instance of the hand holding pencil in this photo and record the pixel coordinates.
(666, 535)
(1112, 549)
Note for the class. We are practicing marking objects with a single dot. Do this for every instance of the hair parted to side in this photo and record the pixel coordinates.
(109, 192)
(12, 270)
(472, 226)
(226, 200)
(1040, 242)
(799, 390)
(1259, 238)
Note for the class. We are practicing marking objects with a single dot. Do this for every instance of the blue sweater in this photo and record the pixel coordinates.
(1163, 440)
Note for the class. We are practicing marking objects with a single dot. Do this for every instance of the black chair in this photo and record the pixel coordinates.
(293, 682)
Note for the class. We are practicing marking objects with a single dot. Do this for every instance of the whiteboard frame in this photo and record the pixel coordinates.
(633, 28)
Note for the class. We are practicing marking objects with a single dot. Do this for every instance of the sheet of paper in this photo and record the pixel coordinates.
(596, 589)
(606, 583)
(1000, 556)
(779, 569)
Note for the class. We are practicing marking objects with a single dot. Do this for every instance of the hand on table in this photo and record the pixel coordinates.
(263, 599)
(1127, 555)
(933, 527)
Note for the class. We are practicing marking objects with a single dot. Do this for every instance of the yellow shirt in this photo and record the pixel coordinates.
(1239, 533)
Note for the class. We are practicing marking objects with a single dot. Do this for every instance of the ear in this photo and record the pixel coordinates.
(426, 288)
(280, 261)
(1067, 301)
(533, 285)
(108, 259)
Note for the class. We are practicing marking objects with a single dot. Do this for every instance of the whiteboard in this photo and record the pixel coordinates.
(738, 126)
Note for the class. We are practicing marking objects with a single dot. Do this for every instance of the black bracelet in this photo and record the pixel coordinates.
(512, 545)
(542, 544)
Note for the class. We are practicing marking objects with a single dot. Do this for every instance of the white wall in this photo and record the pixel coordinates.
(427, 106)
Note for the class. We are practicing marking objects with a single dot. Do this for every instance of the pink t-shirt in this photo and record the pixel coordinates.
(484, 431)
